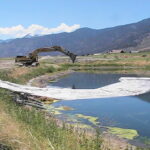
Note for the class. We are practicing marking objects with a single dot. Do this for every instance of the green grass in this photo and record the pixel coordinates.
(103, 65)
(34, 72)
(124, 60)
(37, 72)
(61, 138)
(4, 75)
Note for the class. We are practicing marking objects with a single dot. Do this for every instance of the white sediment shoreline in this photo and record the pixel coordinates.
(127, 86)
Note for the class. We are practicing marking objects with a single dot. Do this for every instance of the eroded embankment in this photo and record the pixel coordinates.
(126, 87)
(43, 80)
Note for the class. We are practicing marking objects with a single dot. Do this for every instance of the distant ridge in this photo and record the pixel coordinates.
(135, 36)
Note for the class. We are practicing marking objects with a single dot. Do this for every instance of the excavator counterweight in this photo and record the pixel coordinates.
(32, 58)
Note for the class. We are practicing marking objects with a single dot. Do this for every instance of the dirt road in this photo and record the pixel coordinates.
(7, 63)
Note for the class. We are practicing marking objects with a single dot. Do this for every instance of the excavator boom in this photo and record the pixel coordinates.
(33, 57)
(54, 49)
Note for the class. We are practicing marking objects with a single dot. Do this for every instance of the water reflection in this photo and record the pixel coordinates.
(80, 80)
(145, 97)
(73, 86)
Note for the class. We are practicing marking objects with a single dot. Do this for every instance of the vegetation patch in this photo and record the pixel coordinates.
(72, 119)
(51, 109)
(56, 112)
(36, 131)
(65, 108)
(123, 133)
(47, 100)
(93, 120)
(16, 75)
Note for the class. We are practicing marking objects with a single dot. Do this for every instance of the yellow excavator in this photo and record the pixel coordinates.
(32, 58)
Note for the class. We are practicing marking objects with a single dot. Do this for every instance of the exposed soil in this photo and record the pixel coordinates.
(42, 81)
(7, 63)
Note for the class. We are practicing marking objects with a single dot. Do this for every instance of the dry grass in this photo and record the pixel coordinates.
(17, 135)
(19, 71)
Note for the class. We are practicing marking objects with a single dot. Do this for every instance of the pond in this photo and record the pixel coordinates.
(82, 80)
(131, 112)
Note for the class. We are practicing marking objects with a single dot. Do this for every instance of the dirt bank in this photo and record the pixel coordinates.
(42, 81)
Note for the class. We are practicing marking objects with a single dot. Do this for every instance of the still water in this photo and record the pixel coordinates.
(125, 112)
(82, 80)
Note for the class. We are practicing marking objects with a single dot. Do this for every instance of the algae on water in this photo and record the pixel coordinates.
(57, 110)
(81, 125)
(64, 108)
(123, 133)
(91, 119)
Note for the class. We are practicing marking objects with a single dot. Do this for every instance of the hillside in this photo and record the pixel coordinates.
(135, 36)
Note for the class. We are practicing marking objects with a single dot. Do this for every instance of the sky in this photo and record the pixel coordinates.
(40, 17)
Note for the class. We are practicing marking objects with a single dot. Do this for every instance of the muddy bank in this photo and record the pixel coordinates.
(42, 81)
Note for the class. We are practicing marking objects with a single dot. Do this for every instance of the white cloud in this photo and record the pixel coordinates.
(34, 29)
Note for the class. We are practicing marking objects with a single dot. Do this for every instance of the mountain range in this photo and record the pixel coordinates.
(130, 37)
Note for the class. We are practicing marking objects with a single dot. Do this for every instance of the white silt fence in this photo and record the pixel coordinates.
(127, 86)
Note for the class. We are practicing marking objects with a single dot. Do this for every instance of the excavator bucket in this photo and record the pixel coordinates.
(73, 57)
